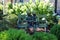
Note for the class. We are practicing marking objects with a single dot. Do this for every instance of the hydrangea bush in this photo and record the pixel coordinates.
(41, 8)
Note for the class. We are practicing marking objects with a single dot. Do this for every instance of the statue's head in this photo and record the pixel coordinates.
(34, 13)
(28, 13)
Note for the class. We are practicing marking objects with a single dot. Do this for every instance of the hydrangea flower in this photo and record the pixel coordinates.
(1, 7)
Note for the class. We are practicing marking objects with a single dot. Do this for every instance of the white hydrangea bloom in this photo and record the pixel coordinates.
(43, 18)
(23, 8)
(1, 7)
(10, 11)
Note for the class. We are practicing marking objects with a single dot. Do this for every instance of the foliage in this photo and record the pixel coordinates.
(44, 36)
(56, 31)
(41, 8)
(1, 11)
(1, 7)
(12, 18)
(16, 8)
(14, 34)
(2, 27)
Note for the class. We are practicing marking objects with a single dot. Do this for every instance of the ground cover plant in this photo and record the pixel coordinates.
(15, 34)
(56, 31)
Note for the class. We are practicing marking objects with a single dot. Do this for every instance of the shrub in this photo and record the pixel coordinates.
(40, 8)
(56, 31)
(52, 37)
(14, 34)
(10, 20)
(25, 37)
(4, 36)
(2, 27)
(8, 35)
(44, 36)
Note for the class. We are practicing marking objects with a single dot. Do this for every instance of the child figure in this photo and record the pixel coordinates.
(43, 24)
(35, 22)
(29, 22)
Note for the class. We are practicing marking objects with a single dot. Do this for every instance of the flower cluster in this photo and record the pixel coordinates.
(40, 7)
(1, 7)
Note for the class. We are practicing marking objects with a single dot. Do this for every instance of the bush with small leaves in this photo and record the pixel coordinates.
(44, 36)
(14, 34)
(56, 31)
